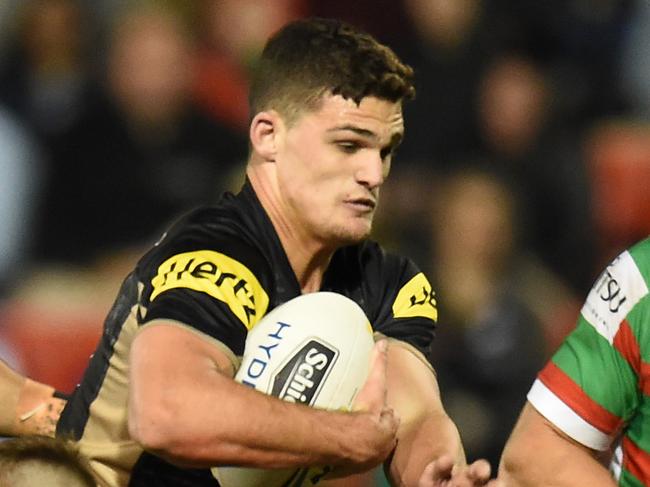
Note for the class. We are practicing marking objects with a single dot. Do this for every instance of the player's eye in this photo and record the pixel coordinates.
(348, 146)
(388, 153)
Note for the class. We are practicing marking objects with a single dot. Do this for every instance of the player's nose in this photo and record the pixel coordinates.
(371, 171)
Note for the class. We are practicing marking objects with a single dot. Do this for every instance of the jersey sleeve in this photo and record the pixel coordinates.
(407, 308)
(590, 387)
(219, 290)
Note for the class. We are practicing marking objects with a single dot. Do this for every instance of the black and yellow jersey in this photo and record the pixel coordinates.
(218, 271)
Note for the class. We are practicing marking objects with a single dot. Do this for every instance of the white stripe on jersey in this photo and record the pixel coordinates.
(616, 464)
(615, 293)
(566, 419)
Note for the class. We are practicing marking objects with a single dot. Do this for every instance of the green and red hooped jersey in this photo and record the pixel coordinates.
(596, 387)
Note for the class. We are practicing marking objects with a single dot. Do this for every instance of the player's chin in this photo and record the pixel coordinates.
(355, 232)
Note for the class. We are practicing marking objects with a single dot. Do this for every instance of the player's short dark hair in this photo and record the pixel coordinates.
(44, 451)
(309, 58)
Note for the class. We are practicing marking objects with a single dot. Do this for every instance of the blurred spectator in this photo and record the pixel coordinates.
(523, 137)
(229, 51)
(45, 74)
(618, 155)
(143, 151)
(579, 41)
(501, 311)
(514, 104)
(385, 19)
(19, 172)
(447, 48)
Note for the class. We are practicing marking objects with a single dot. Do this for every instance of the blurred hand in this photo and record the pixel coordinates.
(38, 411)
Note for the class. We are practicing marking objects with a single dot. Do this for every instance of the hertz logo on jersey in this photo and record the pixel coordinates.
(219, 276)
(416, 298)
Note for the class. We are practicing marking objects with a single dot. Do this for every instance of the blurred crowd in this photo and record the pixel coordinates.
(525, 166)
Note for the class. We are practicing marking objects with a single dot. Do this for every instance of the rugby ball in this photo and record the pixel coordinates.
(315, 350)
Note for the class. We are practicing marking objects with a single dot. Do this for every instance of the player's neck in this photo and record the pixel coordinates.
(309, 257)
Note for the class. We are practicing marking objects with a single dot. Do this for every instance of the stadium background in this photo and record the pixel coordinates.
(526, 165)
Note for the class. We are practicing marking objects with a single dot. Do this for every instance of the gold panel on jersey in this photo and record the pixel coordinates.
(217, 275)
(416, 299)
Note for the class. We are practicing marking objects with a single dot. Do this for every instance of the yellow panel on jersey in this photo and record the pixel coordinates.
(416, 298)
(218, 275)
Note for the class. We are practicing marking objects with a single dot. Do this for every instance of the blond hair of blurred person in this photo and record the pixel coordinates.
(33, 461)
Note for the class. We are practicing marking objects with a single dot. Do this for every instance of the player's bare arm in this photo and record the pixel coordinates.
(185, 407)
(538, 454)
(429, 452)
(27, 407)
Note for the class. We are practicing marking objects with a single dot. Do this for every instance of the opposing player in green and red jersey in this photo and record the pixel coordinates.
(587, 420)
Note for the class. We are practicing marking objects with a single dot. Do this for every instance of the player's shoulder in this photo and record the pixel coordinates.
(206, 242)
(619, 289)
(640, 253)
(395, 278)
(629, 271)
(213, 226)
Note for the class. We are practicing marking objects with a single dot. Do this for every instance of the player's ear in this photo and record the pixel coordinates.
(265, 132)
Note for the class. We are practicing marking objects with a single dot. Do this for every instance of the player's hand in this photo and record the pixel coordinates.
(443, 473)
(376, 436)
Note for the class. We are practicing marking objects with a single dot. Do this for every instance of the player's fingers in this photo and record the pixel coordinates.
(390, 419)
(480, 470)
(379, 360)
(426, 479)
(443, 467)
(496, 483)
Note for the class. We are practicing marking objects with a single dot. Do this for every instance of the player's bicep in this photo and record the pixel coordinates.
(202, 313)
(165, 346)
(168, 362)
(537, 452)
(411, 383)
(534, 428)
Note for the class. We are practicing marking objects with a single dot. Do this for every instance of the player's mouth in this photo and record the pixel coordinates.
(363, 205)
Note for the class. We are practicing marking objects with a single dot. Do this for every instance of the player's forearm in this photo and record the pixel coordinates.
(245, 427)
(421, 442)
(426, 432)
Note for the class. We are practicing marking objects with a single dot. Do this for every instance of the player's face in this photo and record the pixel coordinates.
(333, 161)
